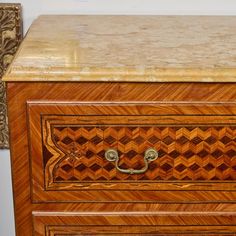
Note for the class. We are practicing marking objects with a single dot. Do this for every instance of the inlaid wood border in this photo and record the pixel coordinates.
(10, 38)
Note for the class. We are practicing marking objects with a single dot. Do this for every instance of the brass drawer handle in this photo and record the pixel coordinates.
(150, 155)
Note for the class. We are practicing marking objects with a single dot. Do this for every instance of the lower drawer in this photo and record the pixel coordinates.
(134, 223)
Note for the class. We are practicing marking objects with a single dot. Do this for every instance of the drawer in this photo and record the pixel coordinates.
(139, 152)
(133, 223)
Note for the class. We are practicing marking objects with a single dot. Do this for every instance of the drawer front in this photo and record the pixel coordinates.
(133, 223)
(132, 152)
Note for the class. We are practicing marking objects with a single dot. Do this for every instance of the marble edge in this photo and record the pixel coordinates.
(122, 75)
(134, 78)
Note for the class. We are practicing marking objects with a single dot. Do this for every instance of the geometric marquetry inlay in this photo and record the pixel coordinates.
(185, 153)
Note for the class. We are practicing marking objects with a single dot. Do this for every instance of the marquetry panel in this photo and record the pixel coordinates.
(10, 38)
(185, 152)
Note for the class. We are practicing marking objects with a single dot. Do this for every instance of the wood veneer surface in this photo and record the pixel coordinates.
(219, 207)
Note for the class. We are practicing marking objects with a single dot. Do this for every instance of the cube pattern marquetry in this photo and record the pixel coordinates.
(185, 153)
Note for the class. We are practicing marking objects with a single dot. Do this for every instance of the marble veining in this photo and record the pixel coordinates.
(127, 48)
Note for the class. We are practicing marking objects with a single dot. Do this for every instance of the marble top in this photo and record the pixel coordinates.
(127, 48)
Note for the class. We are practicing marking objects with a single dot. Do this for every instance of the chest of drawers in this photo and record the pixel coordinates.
(124, 125)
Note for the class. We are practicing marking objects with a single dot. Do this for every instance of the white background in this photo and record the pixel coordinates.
(33, 8)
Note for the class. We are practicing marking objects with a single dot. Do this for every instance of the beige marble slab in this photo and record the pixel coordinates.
(127, 48)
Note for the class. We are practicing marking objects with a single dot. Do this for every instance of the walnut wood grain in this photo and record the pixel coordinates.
(200, 96)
